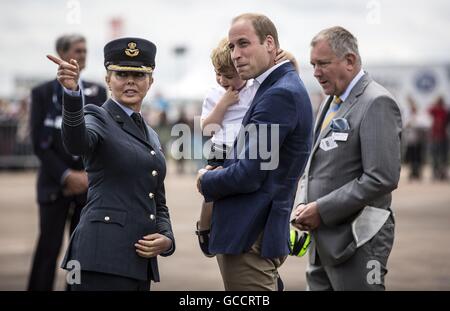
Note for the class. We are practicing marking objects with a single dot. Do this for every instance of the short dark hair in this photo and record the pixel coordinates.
(263, 26)
(64, 42)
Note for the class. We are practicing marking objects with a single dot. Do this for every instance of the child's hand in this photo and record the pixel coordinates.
(283, 55)
(230, 97)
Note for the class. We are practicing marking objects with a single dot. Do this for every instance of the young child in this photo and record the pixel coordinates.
(223, 110)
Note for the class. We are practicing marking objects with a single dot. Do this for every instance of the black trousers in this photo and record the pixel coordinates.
(96, 281)
(415, 157)
(439, 151)
(52, 222)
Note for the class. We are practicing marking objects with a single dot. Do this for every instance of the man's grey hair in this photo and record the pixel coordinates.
(64, 42)
(341, 41)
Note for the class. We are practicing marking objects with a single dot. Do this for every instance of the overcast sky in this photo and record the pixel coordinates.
(389, 32)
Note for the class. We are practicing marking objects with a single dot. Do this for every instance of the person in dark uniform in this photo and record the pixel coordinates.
(125, 224)
(61, 181)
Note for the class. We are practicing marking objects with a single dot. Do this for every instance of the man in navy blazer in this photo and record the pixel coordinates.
(253, 196)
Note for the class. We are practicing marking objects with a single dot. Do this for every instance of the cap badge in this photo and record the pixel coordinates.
(132, 51)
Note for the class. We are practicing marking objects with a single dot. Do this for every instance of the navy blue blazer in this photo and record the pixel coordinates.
(45, 126)
(249, 201)
(126, 196)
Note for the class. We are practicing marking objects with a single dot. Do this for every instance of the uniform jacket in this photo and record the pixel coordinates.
(126, 196)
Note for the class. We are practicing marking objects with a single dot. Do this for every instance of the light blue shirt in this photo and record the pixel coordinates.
(349, 88)
(75, 93)
(126, 109)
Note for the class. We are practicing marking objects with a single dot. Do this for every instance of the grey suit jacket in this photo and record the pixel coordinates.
(361, 171)
(126, 196)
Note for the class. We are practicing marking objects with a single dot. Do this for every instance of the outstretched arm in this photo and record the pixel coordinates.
(78, 138)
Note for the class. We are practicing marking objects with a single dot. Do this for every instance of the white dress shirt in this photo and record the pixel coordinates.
(232, 119)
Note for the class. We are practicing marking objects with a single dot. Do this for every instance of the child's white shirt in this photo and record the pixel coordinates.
(232, 120)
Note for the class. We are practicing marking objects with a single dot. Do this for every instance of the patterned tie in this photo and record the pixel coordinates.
(137, 118)
(334, 107)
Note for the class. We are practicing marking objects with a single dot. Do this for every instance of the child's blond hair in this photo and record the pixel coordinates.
(221, 58)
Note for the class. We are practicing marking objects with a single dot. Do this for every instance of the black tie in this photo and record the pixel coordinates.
(140, 124)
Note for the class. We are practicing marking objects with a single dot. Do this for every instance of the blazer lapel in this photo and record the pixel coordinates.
(152, 139)
(346, 105)
(357, 90)
(320, 116)
(268, 82)
(125, 122)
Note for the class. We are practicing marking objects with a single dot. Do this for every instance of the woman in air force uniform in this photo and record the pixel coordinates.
(125, 224)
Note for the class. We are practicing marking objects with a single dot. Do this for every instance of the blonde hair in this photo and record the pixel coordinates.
(221, 58)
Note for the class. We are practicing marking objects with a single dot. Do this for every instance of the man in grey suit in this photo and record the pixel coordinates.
(344, 196)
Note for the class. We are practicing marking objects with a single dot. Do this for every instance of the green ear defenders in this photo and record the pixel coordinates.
(299, 244)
